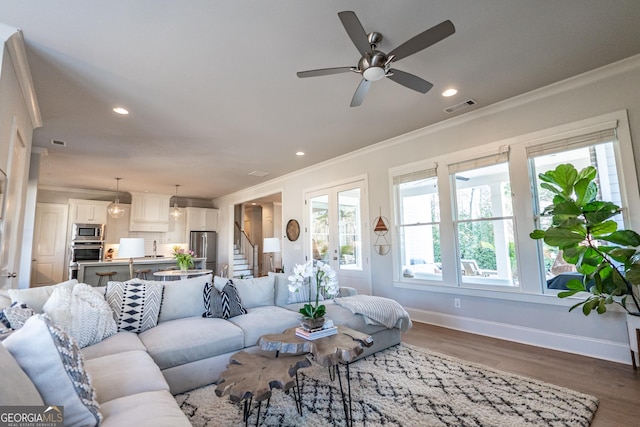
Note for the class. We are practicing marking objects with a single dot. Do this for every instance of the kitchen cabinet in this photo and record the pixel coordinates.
(88, 211)
(202, 219)
(149, 212)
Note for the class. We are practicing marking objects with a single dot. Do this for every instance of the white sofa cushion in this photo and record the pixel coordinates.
(55, 365)
(182, 298)
(123, 374)
(151, 408)
(256, 292)
(37, 297)
(265, 320)
(15, 386)
(117, 343)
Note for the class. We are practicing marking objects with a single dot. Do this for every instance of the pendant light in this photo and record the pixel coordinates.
(176, 212)
(114, 209)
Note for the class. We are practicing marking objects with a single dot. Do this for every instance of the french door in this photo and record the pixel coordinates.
(337, 232)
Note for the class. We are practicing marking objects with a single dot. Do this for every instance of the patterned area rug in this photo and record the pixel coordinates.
(407, 386)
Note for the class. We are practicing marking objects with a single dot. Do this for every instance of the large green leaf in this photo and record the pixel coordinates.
(603, 228)
(623, 237)
(551, 187)
(617, 253)
(585, 190)
(589, 173)
(537, 234)
(566, 210)
(633, 274)
(562, 238)
(565, 175)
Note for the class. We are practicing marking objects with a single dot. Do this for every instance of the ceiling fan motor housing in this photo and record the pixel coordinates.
(374, 65)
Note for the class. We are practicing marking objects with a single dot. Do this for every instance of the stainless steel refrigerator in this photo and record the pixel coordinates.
(205, 244)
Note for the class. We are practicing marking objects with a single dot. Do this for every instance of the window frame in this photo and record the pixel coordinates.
(532, 283)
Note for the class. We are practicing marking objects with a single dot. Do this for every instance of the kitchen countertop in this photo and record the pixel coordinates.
(125, 261)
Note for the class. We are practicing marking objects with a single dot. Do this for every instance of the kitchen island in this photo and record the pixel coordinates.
(87, 269)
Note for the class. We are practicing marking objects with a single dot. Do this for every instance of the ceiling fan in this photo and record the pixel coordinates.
(374, 64)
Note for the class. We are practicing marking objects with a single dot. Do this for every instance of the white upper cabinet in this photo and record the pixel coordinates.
(202, 219)
(88, 211)
(149, 212)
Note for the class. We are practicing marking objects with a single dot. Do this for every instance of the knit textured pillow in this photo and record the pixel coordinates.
(82, 312)
(223, 304)
(55, 365)
(16, 315)
(135, 305)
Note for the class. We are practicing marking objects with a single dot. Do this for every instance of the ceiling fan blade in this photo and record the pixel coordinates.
(361, 92)
(423, 40)
(323, 72)
(410, 81)
(354, 28)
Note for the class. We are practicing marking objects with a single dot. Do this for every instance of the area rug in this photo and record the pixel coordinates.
(407, 386)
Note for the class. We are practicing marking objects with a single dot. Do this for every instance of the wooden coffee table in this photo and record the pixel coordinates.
(252, 376)
(329, 352)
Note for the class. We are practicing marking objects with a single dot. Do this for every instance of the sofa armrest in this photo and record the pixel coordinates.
(5, 299)
(346, 291)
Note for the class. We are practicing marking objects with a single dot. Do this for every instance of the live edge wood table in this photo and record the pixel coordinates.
(252, 377)
(329, 352)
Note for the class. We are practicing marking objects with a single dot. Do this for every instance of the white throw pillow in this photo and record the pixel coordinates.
(83, 313)
(256, 292)
(55, 365)
(37, 297)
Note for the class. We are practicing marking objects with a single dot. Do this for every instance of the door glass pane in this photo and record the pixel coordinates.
(320, 228)
(349, 229)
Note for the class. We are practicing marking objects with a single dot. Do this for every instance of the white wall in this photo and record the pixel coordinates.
(541, 321)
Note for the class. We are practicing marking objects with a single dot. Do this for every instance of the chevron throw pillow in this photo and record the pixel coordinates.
(135, 305)
(224, 304)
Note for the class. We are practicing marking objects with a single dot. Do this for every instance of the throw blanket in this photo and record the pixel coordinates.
(377, 311)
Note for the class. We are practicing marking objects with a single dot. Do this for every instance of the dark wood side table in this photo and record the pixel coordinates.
(329, 352)
(251, 377)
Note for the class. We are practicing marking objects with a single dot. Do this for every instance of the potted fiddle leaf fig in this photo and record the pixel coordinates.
(584, 230)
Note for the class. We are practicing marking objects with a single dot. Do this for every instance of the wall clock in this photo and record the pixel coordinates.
(293, 230)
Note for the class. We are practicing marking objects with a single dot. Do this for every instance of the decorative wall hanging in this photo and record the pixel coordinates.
(381, 228)
(293, 230)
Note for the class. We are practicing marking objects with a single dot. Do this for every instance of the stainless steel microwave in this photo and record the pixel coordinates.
(85, 232)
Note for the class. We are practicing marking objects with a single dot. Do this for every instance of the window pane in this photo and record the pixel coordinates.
(484, 192)
(419, 201)
(487, 252)
(421, 252)
(349, 229)
(320, 228)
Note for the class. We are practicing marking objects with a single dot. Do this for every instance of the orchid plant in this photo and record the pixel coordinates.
(184, 257)
(326, 283)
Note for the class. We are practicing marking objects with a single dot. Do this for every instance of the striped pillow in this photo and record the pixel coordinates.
(222, 304)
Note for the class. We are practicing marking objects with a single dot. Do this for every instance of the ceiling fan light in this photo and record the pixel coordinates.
(373, 73)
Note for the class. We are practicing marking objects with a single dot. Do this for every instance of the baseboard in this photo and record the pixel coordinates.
(600, 349)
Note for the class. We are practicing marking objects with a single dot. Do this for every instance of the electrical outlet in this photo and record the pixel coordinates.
(456, 303)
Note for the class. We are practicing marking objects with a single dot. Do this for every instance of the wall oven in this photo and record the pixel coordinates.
(84, 251)
(87, 232)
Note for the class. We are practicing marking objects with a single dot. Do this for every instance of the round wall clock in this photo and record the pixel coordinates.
(293, 230)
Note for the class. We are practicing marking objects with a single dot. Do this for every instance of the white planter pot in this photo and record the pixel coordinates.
(633, 323)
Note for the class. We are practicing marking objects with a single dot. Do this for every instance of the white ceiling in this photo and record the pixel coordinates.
(212, 86)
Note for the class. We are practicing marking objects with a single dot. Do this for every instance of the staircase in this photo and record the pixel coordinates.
(241, 268)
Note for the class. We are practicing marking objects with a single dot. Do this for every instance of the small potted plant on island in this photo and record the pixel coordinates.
(326, 284)
(184, 257)
(584, 230)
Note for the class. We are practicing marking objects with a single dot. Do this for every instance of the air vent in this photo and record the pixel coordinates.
(58, 143)
(461, 106)
(259, 174)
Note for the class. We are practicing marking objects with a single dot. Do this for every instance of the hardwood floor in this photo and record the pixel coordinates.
(617, 386)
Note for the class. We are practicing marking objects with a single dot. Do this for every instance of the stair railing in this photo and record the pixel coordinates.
(247, 249)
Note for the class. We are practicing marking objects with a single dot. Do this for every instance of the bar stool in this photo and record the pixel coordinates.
(142, 274)
(107, 274)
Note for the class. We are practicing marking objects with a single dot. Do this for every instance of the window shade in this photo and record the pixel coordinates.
(415, 176)
(480, 162)
(579, 141)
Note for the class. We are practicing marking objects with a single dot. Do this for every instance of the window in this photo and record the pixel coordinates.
(593, 149)
(417, 202)
(483, 221)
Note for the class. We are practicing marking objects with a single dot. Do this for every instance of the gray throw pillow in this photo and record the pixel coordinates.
(224, 304)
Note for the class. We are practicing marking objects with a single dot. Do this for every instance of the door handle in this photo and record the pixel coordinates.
(11, 275)
(335, 258)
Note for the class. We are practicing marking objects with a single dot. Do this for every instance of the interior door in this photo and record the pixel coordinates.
(49, 244)
(10, 244)
(337, 232)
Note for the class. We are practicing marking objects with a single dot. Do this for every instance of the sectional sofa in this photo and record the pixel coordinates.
(134, 375)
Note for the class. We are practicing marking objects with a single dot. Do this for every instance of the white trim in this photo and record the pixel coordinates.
(591, 347)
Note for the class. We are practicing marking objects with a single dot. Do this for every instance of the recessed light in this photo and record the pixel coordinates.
(450, 92)
(300, 153)
(120, 110)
